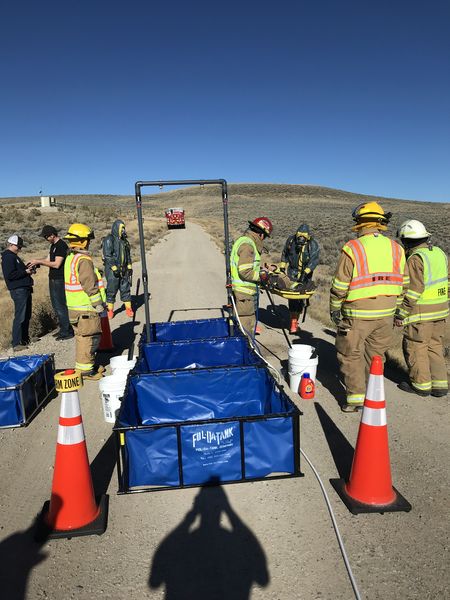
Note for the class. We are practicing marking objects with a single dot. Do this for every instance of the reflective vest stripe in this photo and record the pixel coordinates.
(237, 284)
(76, 297)
(360, 257)
(397, 257)
(378, 266)
(435, 292)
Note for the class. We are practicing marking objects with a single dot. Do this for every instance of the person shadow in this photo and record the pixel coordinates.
(19, 554)
(201, 558)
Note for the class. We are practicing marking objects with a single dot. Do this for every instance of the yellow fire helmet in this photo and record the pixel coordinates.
(79, 235)
(370, 214)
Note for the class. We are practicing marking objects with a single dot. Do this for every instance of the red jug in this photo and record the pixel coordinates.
(307, 387)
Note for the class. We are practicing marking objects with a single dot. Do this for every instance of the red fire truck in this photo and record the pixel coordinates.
(175, 218)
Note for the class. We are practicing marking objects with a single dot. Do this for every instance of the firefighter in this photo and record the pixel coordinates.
(299, 258)
(369, 278)
(246, 273)
(423, 312)
(85, 297)
(118, 268)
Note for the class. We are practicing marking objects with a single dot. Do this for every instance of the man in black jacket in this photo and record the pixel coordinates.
(20, 285)
(55, 263)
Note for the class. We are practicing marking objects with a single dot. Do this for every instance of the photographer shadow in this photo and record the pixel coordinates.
(209, 560)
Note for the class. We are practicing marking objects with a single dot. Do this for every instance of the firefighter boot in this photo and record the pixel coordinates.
(294, 323)
(110, 308)
(129, 310)
(95, 374)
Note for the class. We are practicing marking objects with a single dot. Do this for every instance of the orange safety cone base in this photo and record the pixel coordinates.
(399, 504)
(97, 527)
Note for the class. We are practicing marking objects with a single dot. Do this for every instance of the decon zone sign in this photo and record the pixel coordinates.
(68, 381)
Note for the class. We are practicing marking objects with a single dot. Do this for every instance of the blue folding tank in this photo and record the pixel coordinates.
(26, 383)
(190, 427)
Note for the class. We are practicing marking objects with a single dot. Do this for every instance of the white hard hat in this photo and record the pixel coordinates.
(412, 230)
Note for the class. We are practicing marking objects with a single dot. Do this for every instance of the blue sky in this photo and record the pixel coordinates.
(347, 94)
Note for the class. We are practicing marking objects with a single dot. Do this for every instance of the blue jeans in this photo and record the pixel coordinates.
(22, 315)
(58, 300)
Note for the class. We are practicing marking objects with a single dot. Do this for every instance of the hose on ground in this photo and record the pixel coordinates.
(279, 380)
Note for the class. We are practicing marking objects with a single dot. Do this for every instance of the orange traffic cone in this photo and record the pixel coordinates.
(72, 510)
(258, 329)
(370, 486)
(106, 342)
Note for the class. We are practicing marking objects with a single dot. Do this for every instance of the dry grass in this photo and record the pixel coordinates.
(326, 210)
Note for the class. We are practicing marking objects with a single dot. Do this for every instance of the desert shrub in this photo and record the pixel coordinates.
(43, 319)
(34, 212)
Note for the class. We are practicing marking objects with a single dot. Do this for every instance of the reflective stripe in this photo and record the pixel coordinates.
(238, 284)
(375, 388)
(70, 405)
(70, 435)
(376, 417)
(422, 386)
(347, 311)
(378, 267)
(84, 367)
(355, 398)
(439, 383)
(428, 316)
(339, 285)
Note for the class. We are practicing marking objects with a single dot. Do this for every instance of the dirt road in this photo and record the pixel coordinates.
(274, 539)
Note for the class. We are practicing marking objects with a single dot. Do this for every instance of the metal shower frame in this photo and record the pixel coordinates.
(201, 182)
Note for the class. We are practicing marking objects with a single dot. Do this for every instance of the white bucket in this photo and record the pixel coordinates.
(111, 389)
(120, 365)
(300, 351)
(300, 366)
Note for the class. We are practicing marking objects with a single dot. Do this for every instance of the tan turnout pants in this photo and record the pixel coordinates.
(357, 341)
(423, 347)
(88, 330)
(246, 306)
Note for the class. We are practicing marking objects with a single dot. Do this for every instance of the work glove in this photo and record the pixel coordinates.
(99, 308)
(335, 316)
(115, 271)
(263, 278)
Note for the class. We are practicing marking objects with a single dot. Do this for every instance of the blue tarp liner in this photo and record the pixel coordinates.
(189, 330)
(192, 354)
(198, 425)
(25, 382)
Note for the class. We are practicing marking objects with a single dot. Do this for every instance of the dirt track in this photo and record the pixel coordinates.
(277, 538)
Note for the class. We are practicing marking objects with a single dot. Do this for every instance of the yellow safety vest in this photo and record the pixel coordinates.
(76, 297)
(435, 279)
(237, 284)
(378, 267)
